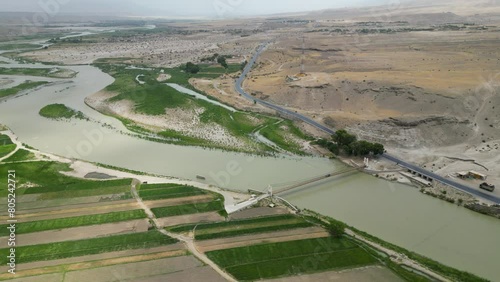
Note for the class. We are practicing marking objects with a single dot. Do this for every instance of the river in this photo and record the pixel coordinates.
(394, 212)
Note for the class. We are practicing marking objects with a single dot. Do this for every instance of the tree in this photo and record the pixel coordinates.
(342, 138)
(192, 68)
(222, 61)
(336, 229)
(378, 149)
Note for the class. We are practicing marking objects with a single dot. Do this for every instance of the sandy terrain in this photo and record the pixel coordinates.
(190, 218)
(366, 274)
(77, 233)
(158, 50)
(426, 95)
(270, 237)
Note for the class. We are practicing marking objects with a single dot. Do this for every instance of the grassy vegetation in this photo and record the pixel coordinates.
(153, 98)
(285, 134)
(21, 87)
(243, 227)
(166, 191)
(5, 140)
(85, 220)
(59, 111)
(452, 273)
(6, 149)
(19, 156)
(6, 145)
(217, 205)
(56, 185)
(69, 249)
(16, 46)
(55, 73)
(291, 258)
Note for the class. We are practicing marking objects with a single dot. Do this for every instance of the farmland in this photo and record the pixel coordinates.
(291, 258)
(20, 155)
(6, 145)
(214, 206)
(167, 191)
(90, 246)
(243, 227)
(61, 223)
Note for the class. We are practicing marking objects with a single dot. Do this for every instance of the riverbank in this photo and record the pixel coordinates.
(82, 169)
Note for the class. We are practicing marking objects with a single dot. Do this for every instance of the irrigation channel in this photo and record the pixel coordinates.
(394, 212)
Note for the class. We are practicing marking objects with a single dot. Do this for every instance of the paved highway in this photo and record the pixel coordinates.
(456, 185)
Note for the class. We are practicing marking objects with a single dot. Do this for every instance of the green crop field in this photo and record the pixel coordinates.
(5, 140)
(244, 227)
(291, 258)
(20, 155)
(21, 87)
(46, 175)
(69, 249)
(85, 220)
(217, 205)
(167, 191)
(58, 111)
(7, 149)
(6, 145)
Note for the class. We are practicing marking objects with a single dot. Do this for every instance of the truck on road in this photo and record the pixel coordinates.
(487, 187)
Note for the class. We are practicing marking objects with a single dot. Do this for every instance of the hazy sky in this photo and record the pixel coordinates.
(209, 8)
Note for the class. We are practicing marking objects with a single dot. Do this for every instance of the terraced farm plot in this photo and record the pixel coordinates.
(46, 180)
(291, 258)
(61, 223)
(213, 206)
(68, 249)
(150, 192)
(19, 156)
(244, 227)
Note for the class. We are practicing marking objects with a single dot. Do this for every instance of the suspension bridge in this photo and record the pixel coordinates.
(275, 191)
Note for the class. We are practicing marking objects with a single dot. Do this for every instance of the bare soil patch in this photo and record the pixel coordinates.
(77, 233)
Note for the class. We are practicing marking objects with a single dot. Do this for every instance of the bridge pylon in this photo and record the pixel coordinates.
(270, 190)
